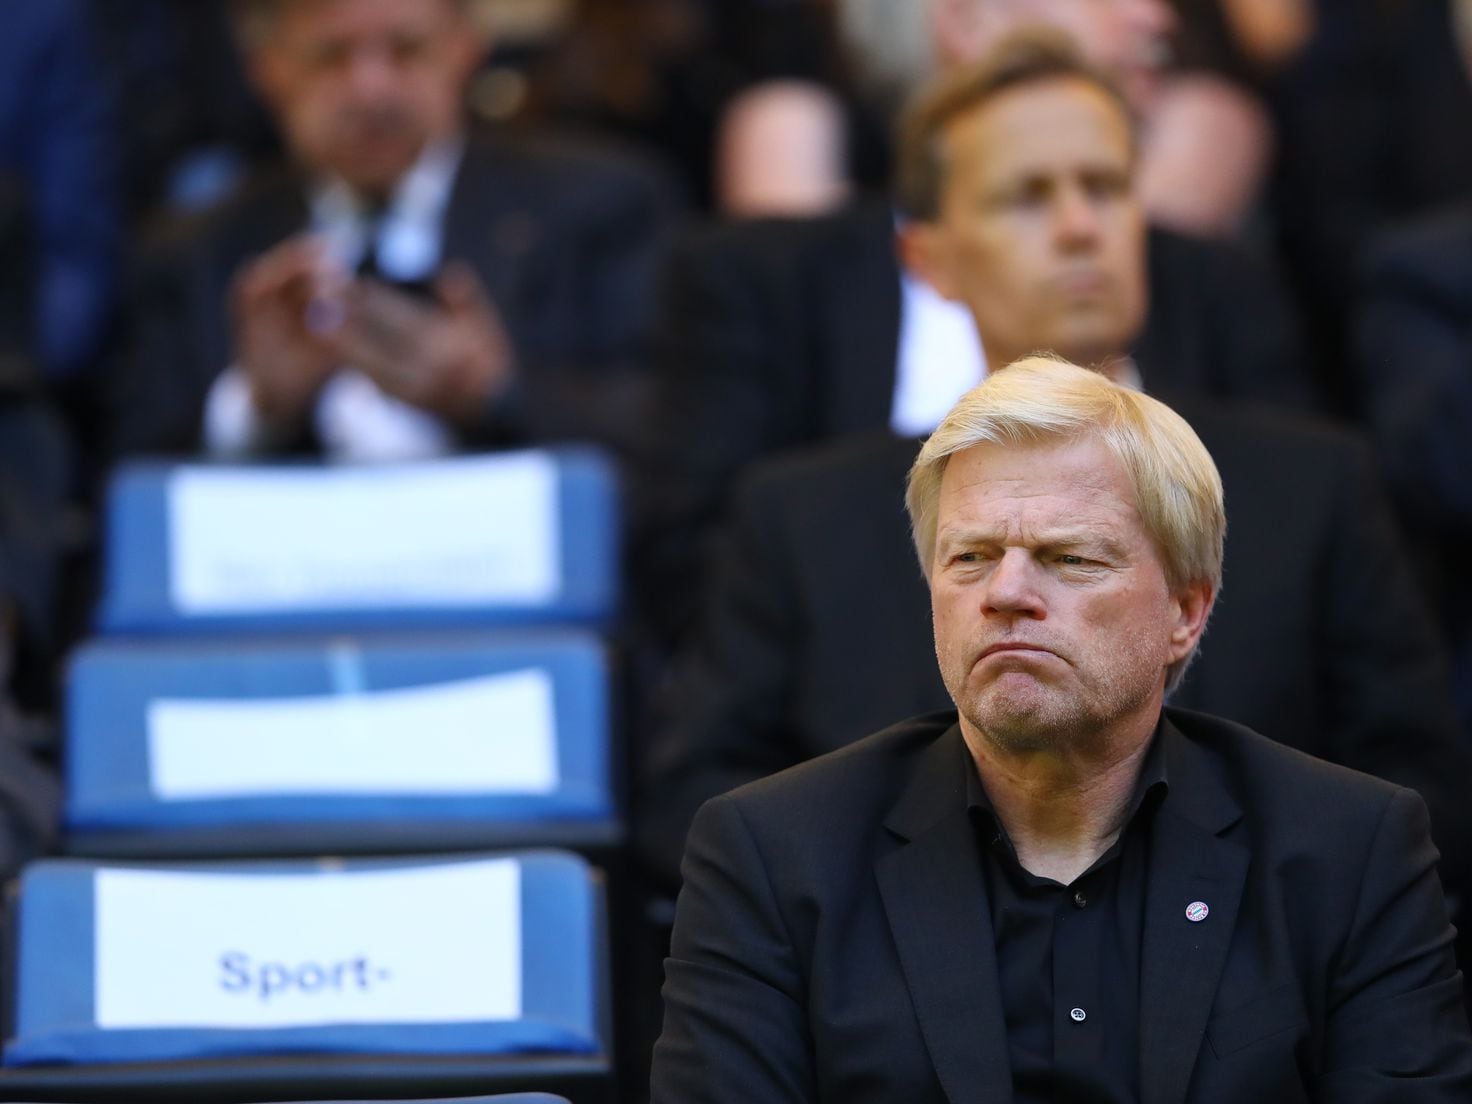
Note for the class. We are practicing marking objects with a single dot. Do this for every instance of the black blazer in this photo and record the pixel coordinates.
(833, 940)
(566, 238)
(815, 627)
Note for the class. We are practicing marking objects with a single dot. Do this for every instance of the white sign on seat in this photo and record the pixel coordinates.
(490, 735)
(200, 950)
(452, 533)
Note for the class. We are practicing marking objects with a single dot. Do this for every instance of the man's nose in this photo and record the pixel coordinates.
(1076, 217)
(1013, 588)
(371, 70)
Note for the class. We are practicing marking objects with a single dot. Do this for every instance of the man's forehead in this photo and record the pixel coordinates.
(1081, 468)
(1087, 110)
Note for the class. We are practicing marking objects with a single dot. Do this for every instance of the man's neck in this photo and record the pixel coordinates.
(1061, 810)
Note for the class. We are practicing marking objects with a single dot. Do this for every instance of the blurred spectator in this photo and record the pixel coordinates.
(406, 288)
(55, 142)
(1414, 358)
(1206, 141)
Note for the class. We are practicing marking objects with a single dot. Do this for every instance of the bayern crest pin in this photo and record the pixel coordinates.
(1197, 911)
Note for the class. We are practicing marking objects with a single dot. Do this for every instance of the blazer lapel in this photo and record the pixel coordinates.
(1183, 958)
(935, 899)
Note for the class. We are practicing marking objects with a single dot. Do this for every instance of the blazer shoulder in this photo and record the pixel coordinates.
(1274, 783)
(852, 786)
(1431, 255)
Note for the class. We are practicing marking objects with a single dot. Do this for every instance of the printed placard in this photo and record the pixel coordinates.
(445, 534)
(491, 735)
(439, 944)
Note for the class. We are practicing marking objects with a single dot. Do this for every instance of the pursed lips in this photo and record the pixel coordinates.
(1014, 647)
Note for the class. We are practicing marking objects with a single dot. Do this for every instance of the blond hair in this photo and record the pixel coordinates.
(1178, 492)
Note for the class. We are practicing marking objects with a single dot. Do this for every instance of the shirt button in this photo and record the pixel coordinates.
(1080, 899)
(1079, 1015)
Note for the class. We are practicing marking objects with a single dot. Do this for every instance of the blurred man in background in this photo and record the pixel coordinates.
(405, 287)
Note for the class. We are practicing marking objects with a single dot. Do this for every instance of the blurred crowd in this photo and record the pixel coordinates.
(692, 232)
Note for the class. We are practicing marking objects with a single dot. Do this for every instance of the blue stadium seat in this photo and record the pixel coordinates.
(315, 745)
(297, 980)
(506, 539)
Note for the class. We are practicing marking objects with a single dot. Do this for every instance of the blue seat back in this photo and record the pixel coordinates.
(196, 548)
(74, 933)
(299, 748)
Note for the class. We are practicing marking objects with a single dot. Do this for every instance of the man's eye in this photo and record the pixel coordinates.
(1106, 185)
(328, 55)
(407, 49)
(1069, 560)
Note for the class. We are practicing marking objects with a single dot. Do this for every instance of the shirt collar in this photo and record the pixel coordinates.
(407, 227)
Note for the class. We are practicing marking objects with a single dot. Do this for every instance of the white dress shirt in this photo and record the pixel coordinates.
(940, 358)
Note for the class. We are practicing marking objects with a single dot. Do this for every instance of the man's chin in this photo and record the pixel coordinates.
(1018, 721)
(373, 172)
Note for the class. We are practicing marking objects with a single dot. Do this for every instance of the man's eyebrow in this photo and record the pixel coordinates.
(966, 534)
(1100, 545)
(1046, 539)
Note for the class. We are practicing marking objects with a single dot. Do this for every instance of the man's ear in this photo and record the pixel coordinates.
(925, 253)
(1193, 604)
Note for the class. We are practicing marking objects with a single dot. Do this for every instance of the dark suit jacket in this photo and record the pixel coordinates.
(833, 940)
(1414, 359)
(783, 333)
(815, 627)
(565, 238)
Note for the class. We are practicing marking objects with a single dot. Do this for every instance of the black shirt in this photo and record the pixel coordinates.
(1068, 957)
